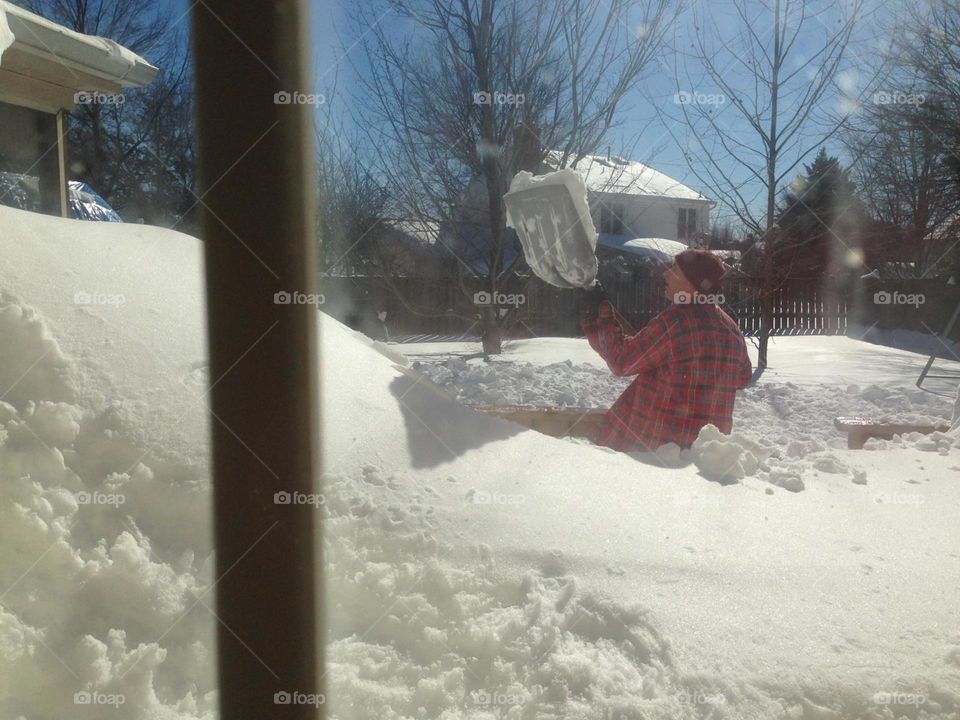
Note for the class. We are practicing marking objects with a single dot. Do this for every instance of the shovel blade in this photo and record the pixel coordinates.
(558, 242)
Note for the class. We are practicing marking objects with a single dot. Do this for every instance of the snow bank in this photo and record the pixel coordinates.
(482, 538)
(475, 569)
(955, 420)
(103, 525)
(461, 641)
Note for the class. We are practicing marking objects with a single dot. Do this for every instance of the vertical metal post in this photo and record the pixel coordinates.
(256, 185)
(943, 337)
(62, 163)
(46, 163)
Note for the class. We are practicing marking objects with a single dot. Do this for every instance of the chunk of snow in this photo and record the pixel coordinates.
(725, 457)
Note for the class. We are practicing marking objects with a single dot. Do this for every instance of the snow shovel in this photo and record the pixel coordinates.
(552, 220)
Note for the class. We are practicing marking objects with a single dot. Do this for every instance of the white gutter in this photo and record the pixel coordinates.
(671, 199)
(6, 35)
(92, 55)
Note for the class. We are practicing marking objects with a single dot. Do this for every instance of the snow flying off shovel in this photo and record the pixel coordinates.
(552, 220)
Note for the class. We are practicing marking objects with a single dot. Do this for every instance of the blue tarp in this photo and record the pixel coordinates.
(85, 204)
(22, 192)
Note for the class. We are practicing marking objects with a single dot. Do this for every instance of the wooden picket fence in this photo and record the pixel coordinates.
(439, 307)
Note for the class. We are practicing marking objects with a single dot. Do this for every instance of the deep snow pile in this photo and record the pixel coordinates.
(475, 569)
(104, 546)
(541, 578)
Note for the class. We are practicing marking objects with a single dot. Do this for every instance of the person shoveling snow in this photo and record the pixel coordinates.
(689, 360)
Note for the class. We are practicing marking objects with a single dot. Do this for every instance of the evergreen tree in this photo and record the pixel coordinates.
(821, 221)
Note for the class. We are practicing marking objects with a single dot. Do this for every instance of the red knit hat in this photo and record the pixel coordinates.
(703, 269)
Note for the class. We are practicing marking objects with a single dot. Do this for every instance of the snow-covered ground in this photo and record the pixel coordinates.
(788, 414)
(475, 569)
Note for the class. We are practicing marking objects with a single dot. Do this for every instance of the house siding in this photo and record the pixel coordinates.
(650, 216)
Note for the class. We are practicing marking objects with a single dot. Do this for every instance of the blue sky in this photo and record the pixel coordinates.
(657, 139)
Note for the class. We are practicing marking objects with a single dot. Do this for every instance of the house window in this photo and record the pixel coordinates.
(687, 224)
(611, 219)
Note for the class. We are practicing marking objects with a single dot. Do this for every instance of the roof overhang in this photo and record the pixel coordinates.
(44, 64)
(628, 178)
(671, 199)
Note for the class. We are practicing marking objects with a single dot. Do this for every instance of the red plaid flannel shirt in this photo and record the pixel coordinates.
(689, 360)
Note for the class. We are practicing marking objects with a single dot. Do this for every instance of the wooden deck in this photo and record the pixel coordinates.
(861, 429)
(552, 421)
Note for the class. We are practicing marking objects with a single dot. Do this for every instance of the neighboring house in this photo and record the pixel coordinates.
(405, 248)
(636, 210)
(639, 213)
(631, 200)
(45, 71)
(413, 248)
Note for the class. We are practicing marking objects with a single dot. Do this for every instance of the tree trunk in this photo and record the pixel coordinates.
(766, 300)
(766, 295)
(491, 335)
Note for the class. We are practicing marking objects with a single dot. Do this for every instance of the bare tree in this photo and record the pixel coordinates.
(754, 102)
(928, 46)
(905, 182)
(480, 89)
(139, 154)
(352, 203)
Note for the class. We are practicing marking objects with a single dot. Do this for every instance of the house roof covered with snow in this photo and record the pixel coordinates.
(619, 175)
(43, 65)
(423, 231)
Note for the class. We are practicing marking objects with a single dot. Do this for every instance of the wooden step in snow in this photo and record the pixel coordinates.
(552, 421)
(860, 429)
